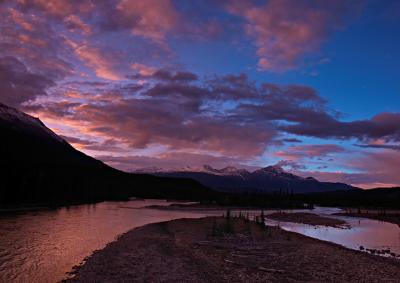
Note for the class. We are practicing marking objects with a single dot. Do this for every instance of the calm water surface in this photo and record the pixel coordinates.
(372, 234)
(42, 246)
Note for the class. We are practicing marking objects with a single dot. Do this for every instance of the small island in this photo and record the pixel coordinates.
(225, 249)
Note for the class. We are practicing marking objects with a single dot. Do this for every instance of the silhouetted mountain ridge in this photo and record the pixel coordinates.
(38, 166)
(25, 132)
(269, 179)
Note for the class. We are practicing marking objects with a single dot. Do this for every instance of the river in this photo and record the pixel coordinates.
(44, 245)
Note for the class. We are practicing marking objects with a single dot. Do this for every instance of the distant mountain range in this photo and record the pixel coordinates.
(38, 166)
(265, 180)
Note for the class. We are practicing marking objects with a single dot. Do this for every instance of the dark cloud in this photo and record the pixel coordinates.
(298, 93)
(177, 76)
(224, 114)
(322, 125)
(18, 84)
(380, 146)
(142, 122)
(144, 72)
(292, 140)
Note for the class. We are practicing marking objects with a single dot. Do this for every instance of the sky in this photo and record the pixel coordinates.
(312, 86)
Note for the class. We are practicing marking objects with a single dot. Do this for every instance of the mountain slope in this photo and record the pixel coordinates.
(27, 142)
(265, 180)
(40, 167)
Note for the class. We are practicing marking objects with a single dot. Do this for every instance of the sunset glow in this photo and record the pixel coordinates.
(312, 86)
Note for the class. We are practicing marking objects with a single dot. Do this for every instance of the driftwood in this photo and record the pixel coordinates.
(248, 250)
(250, 253)
(213, 245)
(272, 270)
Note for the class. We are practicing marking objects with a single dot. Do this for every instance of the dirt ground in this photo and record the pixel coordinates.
(215, 250)
(307, 218)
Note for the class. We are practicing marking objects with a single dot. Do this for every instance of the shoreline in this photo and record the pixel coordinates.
(203, 207)
(309, 219)
(384, 218)
(207, 250)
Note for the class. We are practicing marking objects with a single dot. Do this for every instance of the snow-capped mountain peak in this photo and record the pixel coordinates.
(226, 171)
(274, 169)
(14, 116)
(264, 180)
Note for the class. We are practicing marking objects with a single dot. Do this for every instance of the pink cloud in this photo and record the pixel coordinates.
(368, 170)
(146, 122)
(19, 19)
(285, 30)
(30, 39)
(99, 62)
(27, 39)
(73, 22)
(178, 110)
(58, 8)
(151, 19)
(143, 69)
(383, 164)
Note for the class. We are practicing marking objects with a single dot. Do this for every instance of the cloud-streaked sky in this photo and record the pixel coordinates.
(313, 86)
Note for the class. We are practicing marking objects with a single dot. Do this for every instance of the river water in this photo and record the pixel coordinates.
(368, 233)
(42, 246)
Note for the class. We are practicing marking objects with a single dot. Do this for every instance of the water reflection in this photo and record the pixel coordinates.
(372, 234)
(42, 246)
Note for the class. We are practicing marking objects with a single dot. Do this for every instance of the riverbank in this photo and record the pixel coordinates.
(212, 250)
(26, 207)
(212, 207)
(391, 218)
(307, 218)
